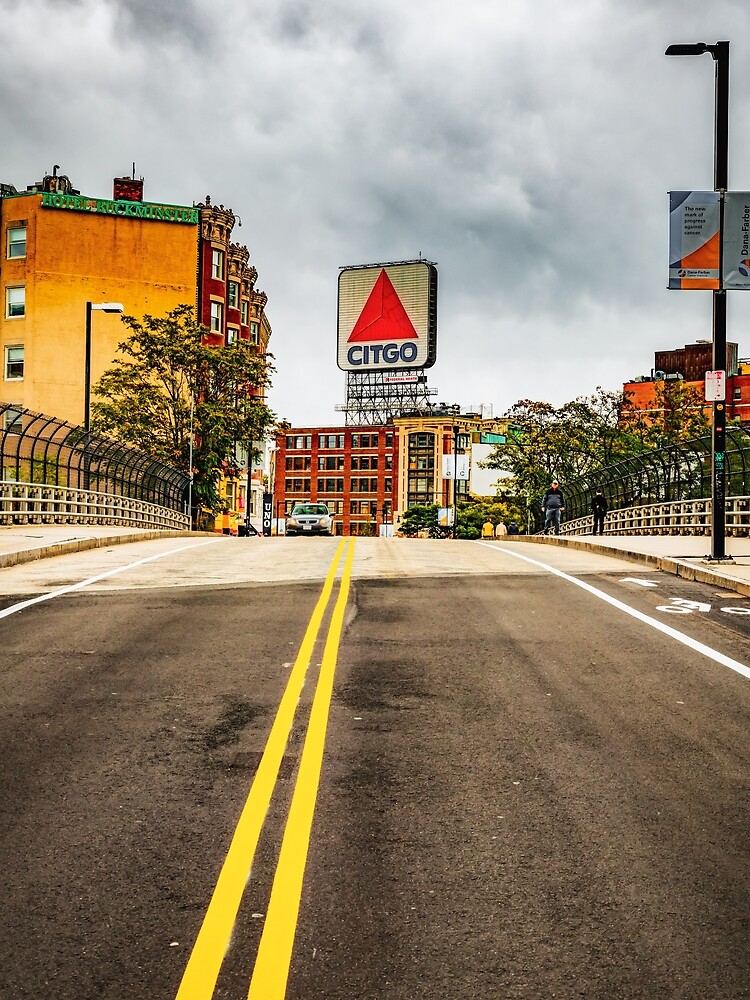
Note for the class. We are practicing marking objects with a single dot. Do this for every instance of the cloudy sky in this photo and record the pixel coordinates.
(525, 147)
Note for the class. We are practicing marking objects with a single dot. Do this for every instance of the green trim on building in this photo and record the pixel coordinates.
(121, 209)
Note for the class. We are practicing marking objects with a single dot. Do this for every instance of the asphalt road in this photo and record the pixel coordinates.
(528, 789)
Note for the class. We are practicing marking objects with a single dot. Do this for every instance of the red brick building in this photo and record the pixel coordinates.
(357, 470)
(228, 302)
(690, 364)
(352, 469)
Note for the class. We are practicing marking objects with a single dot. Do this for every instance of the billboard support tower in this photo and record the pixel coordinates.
(378, 397)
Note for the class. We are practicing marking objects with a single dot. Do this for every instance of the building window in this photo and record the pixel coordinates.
(364, 485)
(297, 486)
(244, 312)
(15, 302)
(330, 486)
(737, 393)
(12, 423)
(298, 441)
(17, 241)
(233, 294)
(298, 463)
(421, 463)
(216, 316)
(253, 333)
(389, 461)
(13, 363)
(232, 335)
(364, 440)
(330, 440)
(389, 439)
(330, 462)
(217, 264)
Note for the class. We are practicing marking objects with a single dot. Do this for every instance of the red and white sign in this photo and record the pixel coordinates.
(387, 317)
(716, 387)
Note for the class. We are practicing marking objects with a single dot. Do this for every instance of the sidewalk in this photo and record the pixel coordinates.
(682, 555)
(27, 542)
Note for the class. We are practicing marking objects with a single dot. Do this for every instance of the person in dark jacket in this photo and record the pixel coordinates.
(553, 504)
(599, 509)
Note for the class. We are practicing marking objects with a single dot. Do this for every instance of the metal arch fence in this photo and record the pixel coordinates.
(42, 451)
(678, 476)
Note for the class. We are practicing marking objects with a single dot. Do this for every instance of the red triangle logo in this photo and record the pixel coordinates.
(384, 316)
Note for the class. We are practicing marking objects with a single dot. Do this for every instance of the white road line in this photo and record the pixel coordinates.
(693, 644)
(101, 576)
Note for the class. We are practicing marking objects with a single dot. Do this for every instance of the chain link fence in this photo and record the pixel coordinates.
(46, 453)
(662, 487)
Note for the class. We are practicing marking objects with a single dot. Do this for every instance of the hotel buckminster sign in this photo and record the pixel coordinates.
(387, 316)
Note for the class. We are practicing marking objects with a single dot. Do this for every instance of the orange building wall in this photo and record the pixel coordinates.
(73, 257)
(642, 395)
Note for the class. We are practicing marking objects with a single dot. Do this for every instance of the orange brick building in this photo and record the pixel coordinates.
(60, 249)
(690, 364)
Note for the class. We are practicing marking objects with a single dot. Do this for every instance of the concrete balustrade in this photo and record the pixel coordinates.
(677, 517)
(33, 503)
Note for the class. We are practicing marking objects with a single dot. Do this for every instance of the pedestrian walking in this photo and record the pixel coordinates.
(599, 510)
(553, 504)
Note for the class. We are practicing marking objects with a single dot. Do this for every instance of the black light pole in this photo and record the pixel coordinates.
(720, 54)
(455, 481)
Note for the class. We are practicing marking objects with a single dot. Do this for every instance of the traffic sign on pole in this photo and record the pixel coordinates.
(716, 386)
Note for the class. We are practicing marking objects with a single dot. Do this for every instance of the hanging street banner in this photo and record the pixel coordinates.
(387, 317)
(736, 243)
(456, 466)
(694, 224)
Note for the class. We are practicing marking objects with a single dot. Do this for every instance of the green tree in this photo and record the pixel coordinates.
(419, 517)
(474, 512)
(169, 387)
(566, 442)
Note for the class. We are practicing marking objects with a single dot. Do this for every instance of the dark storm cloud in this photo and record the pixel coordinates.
(527, 148)
(176, 20)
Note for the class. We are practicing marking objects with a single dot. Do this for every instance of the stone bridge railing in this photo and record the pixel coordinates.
(678, 517)
(32, 503)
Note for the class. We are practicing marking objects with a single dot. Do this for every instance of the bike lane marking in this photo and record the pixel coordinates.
(693, 644)
(271, 970)
(100, 576)
(202, 971)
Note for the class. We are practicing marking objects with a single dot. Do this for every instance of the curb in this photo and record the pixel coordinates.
(678, 567)
(82, 544)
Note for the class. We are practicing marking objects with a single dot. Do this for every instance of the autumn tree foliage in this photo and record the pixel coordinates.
(169, 387)
(575, 440)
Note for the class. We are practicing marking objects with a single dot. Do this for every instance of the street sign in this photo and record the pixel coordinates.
(716, 386)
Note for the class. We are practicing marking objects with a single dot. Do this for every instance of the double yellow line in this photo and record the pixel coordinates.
(274, 956)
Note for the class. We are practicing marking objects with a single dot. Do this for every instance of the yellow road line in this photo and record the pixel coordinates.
(204, 964)
(271, 970)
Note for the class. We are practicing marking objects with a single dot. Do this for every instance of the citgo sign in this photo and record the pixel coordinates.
(387, 316)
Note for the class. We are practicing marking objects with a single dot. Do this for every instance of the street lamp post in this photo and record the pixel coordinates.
(720, 54)
(456, 431)
(110, 307)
